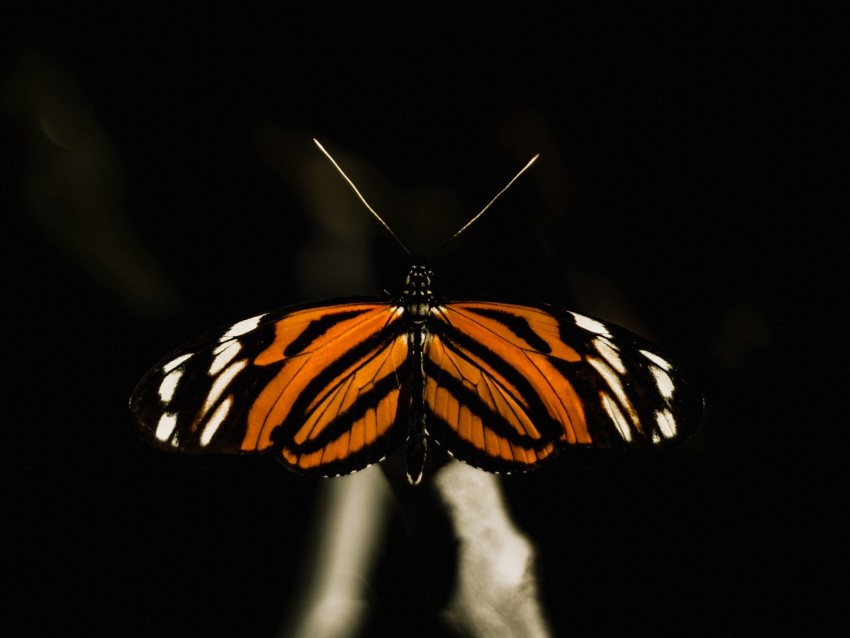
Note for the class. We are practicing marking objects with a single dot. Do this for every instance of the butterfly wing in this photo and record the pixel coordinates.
(320, 386)
(508, 386)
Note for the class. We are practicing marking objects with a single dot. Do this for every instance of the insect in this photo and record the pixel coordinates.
(330, 388)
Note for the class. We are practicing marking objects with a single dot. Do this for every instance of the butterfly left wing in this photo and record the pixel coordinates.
(509, 386)
(322, 386)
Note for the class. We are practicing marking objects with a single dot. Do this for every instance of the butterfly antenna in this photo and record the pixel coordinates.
(471, 221)
(362, 199)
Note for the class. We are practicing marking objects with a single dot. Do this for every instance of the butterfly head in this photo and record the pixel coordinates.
(417, 297)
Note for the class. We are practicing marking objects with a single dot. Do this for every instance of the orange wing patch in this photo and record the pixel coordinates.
(521, 345)
(362, 431)
(520, 443)
(274, 404)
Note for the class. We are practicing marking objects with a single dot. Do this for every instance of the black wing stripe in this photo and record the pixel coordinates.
(516, 324)
(318, 389)
(318, 328)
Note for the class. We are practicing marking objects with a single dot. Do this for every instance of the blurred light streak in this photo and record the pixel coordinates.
(73, 186)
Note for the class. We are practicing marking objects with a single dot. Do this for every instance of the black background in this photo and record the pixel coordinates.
(674, 193)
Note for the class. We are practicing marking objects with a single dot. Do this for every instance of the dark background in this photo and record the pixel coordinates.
(155, 185)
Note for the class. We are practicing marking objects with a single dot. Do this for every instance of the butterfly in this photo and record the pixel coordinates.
(331, 388)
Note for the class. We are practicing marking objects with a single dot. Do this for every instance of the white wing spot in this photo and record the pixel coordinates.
(663, 363)
(224, 354)
(614, 383)
(617, 416)
(168, 367)
(240, 328)
(221, 383)
(169, 385)
(663, 382)
(666, 423)
(591, 325)
(166, 425)
(216, 420)
(610, 354)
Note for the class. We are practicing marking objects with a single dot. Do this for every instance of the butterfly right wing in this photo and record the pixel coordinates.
(321, 386)
(508, 386)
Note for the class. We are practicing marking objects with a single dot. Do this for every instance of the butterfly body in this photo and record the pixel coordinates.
(417, 301)
(333, 387)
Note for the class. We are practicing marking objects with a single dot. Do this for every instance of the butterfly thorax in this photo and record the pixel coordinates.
(417, 298)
